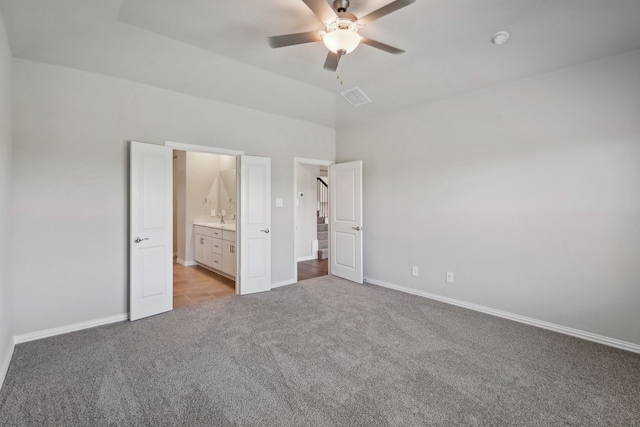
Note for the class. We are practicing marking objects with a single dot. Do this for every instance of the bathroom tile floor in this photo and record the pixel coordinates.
(192, 285)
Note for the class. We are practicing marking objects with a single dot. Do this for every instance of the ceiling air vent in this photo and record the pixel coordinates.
(356, 97)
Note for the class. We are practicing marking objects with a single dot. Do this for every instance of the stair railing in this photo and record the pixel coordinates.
(323, 198)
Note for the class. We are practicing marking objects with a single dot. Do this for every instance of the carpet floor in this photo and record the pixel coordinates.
(323, 352)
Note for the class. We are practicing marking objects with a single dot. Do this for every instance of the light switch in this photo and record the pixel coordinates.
(279, 203)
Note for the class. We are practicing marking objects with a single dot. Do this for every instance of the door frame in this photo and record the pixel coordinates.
(296, 162)
(214, 150)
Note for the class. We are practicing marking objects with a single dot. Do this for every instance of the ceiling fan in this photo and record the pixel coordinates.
(340, 34)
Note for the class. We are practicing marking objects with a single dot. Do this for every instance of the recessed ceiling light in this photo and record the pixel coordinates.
(500, 37)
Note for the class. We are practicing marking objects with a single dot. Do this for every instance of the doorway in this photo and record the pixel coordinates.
(205, 201)
(311, 218)
(150, 226)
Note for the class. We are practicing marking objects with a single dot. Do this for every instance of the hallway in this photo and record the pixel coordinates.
(312, 268)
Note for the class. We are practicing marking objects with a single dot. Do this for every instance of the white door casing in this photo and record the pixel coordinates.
(345, 221)
(255, 225)
(150, 230)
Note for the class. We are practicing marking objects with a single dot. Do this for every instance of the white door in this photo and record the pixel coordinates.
(150, 228)
(345, 220)
(255, 225)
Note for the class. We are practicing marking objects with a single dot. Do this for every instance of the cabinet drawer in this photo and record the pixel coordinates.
(216, 233)
(217, 261)
(229, 235)
(199, 229)
(216, 246)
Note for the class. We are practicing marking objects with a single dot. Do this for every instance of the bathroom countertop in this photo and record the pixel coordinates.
(230, 227)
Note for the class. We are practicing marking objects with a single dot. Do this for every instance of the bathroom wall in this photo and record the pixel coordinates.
(179, 193)
(199, 194)
(228, 197)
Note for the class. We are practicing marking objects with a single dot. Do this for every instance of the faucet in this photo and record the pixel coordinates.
(221, 219)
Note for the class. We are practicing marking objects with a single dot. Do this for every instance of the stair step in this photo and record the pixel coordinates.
(323, 244)
(320, 219)
(323, 227)
(323, 253)
(323, 235)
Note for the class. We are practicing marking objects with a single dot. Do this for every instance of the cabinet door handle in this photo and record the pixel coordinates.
(202, 241)
(232, 249)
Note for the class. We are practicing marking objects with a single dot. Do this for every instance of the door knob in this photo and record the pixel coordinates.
(266, 230)
(138, 240)
(358, 228)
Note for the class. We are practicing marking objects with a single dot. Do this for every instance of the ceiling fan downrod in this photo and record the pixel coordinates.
(341, 5)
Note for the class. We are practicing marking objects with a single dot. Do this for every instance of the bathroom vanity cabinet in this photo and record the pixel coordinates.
(216, 248)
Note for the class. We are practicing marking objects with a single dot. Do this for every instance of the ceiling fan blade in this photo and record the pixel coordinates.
(331, 63)
(322, 10)
(382, 46)
(385, 10)
(293, 39)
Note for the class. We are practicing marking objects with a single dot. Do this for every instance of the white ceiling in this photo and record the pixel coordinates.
(212, 48)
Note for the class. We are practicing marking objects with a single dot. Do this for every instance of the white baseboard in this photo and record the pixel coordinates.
(283, 283)
(6, 360)
(32, 336)
(186, 263)
(307, 258)
(600, 339)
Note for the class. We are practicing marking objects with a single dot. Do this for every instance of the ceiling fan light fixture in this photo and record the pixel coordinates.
(341, 40)
(340, 34)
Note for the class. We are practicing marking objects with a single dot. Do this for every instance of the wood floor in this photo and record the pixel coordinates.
(193, 285)
(312, 268)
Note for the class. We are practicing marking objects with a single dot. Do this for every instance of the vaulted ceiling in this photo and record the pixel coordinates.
(218, 49)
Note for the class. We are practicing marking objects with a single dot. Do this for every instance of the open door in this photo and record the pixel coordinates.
(345, 220)
(150, 230)
(255, 225)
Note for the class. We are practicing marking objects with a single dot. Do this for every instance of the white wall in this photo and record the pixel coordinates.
(70, 181)
(202, 172)
(306, 210)
(227, 162)
(6, 309)
(198, 179)
(529, 193)
(179, 192)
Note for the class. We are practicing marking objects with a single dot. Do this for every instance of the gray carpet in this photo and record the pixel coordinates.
(324, 352)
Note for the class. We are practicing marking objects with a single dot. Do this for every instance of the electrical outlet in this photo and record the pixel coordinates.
(414, 271)
(449, 277)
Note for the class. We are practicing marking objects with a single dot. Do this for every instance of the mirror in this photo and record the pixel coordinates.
(227, 192)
